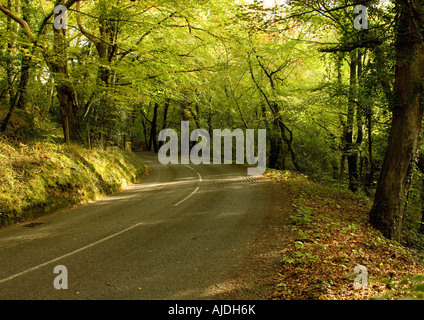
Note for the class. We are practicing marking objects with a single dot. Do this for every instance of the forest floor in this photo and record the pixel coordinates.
(332, 236)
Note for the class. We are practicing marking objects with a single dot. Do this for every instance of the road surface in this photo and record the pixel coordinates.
(185, 232)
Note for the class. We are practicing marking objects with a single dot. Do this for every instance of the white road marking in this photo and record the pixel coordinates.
(94, 243)
(195, 190)
(71, 253)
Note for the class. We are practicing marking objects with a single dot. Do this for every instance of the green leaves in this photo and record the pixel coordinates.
(405, 289)
(416, 280)
(303, 215)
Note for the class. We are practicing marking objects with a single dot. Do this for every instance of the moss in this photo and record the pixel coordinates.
(41, 178)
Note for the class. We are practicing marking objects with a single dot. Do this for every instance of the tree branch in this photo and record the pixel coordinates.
(22, 22)
(88, 35)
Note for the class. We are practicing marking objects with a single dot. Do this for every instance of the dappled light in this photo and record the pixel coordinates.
(221, 149)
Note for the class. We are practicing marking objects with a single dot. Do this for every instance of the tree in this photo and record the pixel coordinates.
(391, 197)
(56, 60)
(16, 99)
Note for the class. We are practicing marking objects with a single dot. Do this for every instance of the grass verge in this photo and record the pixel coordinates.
(41, 178)
(332, 236)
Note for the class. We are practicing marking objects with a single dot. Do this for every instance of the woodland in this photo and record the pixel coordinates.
(342, 105)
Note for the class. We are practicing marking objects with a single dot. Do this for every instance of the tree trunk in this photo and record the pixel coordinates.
(25, 63)
(340, 104)
(23, 85)
(275, 145)
(16, 98)
(64, 89)
(68, 110)
(12, 31)
(57, 62)
(420, 165)
(210, 116)
(6, 120)
(18, 101)
(351, 150)
(153, 139)
(286, 133)
(287, 137)
(164, 122)
(144, 123)
(369, 177)
(343, 149)
(388, 211)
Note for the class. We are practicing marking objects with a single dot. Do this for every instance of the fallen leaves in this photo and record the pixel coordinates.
(333, 236)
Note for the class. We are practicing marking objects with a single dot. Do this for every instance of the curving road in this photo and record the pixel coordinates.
(184, 232)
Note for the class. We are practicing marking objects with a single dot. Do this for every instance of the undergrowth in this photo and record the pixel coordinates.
(332, 238)
(42, 177)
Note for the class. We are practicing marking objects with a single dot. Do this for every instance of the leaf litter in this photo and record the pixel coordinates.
(332, 236)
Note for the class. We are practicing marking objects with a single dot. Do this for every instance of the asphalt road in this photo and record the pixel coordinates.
(184, 232)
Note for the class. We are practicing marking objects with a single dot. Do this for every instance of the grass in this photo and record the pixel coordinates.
(44, 177)
(332, 236)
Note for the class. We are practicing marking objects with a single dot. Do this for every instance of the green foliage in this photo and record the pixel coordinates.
(41, 178)
(134, 67)
(405, 289)
(300, 255)
(303, 215)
